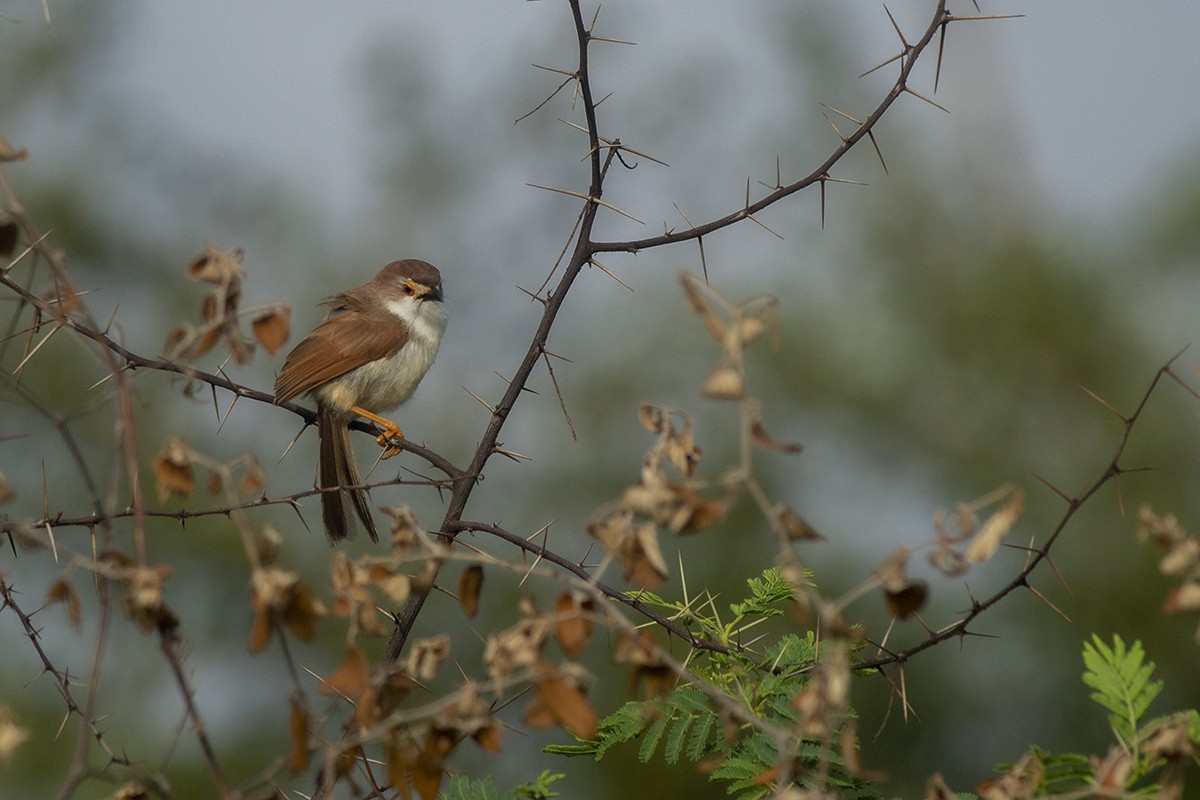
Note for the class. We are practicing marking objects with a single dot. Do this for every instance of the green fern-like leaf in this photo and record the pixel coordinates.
(653, 737)
(764, 593)
(1121, 679)
(462, 788)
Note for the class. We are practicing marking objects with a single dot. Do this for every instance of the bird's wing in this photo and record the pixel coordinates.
(344, 342)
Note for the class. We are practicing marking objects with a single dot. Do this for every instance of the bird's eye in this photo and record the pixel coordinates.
(409, 289)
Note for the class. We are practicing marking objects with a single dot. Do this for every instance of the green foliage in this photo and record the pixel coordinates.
(463, 788)
(692, 723)
(1149, 754)
(765, 593)
(1121, 678)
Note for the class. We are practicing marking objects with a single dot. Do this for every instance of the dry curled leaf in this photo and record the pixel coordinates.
(144, 598)
(351, 677)
(173, 472)
(517, 647)
(389, 685)
(560, 700)
(1164, 530)
(216, 266)
(12, 734)
(254, 480)
(653, 417)
(723, 383)
(695, 291)
(9, 153)
(298, 754)
(61, 591)
(401, 756)
(643, 558)
(279, 595)
(9, 234)
(574, 622)
(1183, 599)
(407, 531)
(271, 328)
(985, 543)
(427, 773)
(759, 436)
(906, 600)
(470, 582)
(795, 527)
(427, 655)
(1020, 782)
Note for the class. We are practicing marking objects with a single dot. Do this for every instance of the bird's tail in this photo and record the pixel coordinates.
(337, 470)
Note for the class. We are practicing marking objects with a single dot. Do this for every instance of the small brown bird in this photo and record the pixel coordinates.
(368, 356)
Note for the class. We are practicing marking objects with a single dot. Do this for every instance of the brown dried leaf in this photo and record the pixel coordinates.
(559, 690)
(1169, 741)
(643, 558)
(795, 527)
(272, 328)
(997, 526)
(539, 715)
(351, 678)
(12, 734)
(175, 338)
(302, 611)
(1112, 773)
(61, 591)
(937, 789)
(681, 451)
(173, 473)
(612, 531)
(949, 562)
(1183, 599)
(254, 480)
(401, 756)
(427, 774)
(470, 582)
(574, 622)
(9, 233)
(1181, 558)
(640, 650)
(649, 683)
(516, 647)
(390, 684)
(406, 530)
(891, 573)
(902, 603)
(1165, 531)
(696, 512)
(9, 153)
(6, 492)
(724, 383)
(694, 293)
(396, 585)
(260, 630)
(1018, 783)
(427, 655)
(653, 417)
(216, 266)
(488, 738)
(298, 755)
(144, 598)
(759, 436)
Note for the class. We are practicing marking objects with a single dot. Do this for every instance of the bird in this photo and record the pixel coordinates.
(367, 357)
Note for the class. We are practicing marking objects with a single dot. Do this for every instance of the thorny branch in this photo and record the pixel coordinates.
(64, 309)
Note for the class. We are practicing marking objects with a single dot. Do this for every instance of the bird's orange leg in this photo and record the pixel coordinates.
(390, 429)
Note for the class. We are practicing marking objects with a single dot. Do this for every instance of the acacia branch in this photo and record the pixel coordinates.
(1111, 471)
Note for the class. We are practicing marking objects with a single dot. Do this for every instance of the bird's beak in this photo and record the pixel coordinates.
(433, 294)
